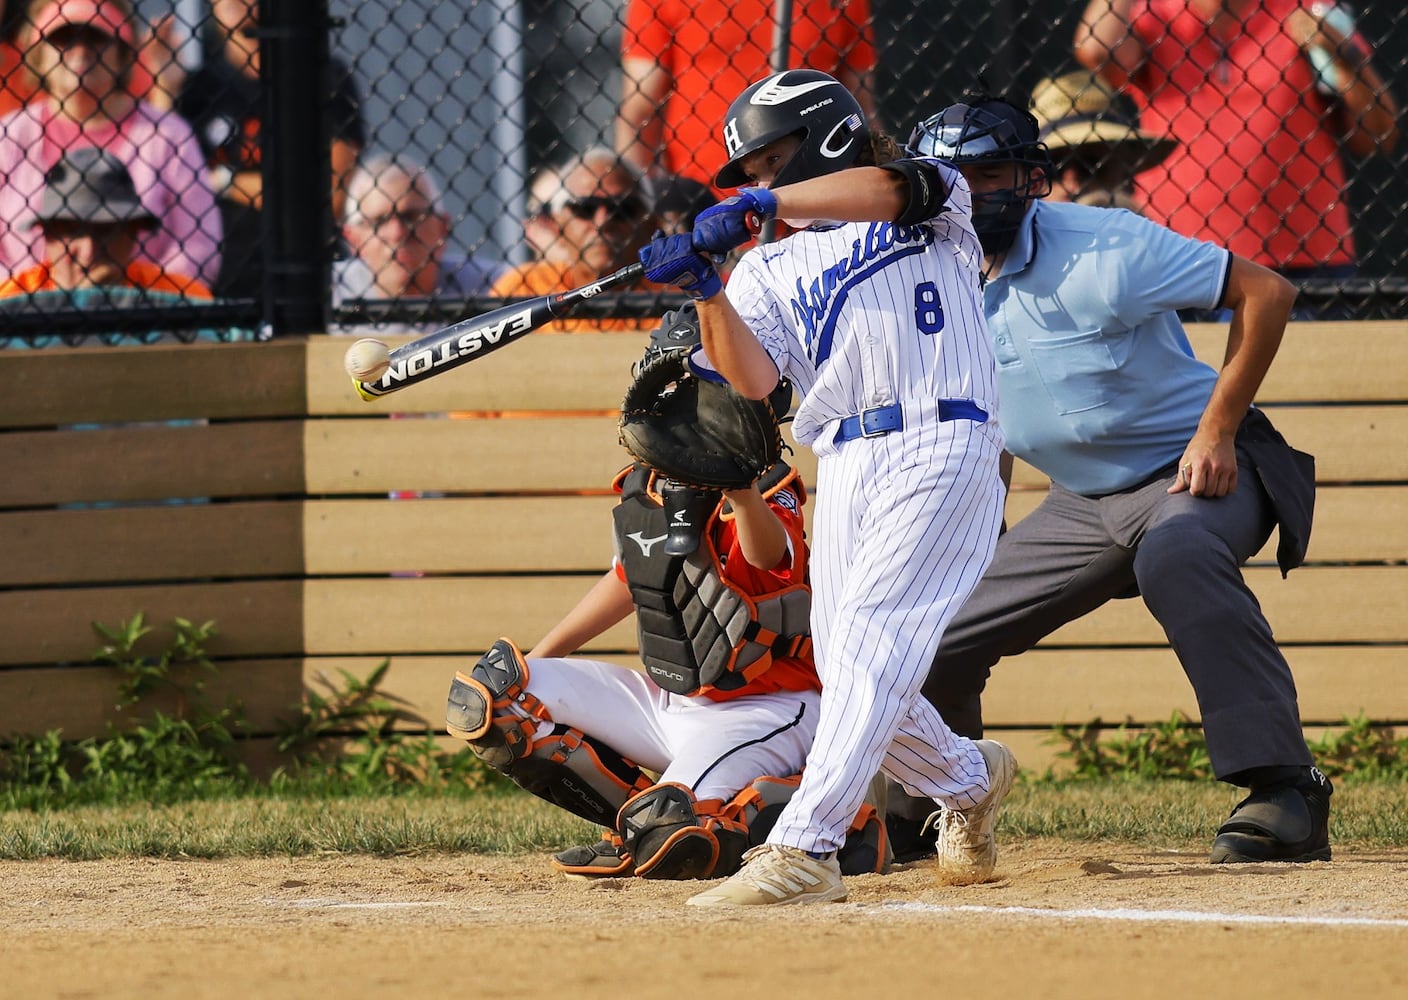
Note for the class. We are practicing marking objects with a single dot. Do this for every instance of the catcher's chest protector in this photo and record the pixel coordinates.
(697, 631)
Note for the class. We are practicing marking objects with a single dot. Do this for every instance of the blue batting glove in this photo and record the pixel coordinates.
(672, 260)
(733, 221)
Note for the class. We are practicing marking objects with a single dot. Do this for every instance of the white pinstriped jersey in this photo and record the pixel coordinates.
(866, 314)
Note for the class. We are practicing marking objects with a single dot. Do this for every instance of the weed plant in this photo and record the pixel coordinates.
(350, 739)
(343, 740)
(1177, 750)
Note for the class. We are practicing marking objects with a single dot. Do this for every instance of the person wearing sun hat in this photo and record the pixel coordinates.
(82, 53)
(1095, 140)
(92, 220)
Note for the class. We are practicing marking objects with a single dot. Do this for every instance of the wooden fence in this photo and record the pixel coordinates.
(288, 539)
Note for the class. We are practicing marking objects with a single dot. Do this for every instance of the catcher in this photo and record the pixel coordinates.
(711, 556)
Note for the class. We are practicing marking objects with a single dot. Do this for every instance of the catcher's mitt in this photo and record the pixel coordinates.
(696, 432)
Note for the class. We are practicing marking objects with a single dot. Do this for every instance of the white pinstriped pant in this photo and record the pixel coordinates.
(902, 535)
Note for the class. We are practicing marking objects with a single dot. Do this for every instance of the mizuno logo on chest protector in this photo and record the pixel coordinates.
(646, 544)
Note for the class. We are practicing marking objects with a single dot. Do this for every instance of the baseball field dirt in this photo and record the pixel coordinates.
(1063, 920)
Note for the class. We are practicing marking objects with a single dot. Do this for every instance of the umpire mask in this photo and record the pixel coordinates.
(687, 511)
(990, 130)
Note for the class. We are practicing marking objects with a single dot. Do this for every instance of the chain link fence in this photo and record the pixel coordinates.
(282, 165)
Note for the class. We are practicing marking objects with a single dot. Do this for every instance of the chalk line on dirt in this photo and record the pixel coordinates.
(1150, 916)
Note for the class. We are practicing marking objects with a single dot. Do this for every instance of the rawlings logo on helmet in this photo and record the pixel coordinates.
(772, 91)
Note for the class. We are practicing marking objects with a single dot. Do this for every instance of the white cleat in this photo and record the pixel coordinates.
(772, 874)
(967, 851)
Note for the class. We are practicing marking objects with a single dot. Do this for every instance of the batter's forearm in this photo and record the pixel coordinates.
(861, 194)
(733, 350)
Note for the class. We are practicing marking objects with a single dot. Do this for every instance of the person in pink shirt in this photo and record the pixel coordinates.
(1263, 97)
(82, 52)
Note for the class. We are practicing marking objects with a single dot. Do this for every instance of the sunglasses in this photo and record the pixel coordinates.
(629, 207)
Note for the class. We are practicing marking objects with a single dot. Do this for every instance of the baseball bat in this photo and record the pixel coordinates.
(471, 339)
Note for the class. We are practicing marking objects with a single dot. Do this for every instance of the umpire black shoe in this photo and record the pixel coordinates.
(1286, 821)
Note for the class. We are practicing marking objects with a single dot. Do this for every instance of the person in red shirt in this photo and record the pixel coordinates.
(684, 62)
(1261, 95)
(726, 706)
(92, 221)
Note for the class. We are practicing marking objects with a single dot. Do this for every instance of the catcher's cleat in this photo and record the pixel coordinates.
(774, 875)
(967, 850)
(607, 858)
(1287, 821)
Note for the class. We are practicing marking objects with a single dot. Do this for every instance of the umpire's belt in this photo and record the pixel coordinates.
(881, 420)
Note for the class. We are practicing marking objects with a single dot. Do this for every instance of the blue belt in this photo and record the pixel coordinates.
(881, 420)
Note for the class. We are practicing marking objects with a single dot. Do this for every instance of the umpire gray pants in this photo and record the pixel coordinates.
(1183, 555)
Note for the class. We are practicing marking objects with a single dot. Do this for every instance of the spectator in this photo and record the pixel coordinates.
(17, 83)
(92, 221)
(1095, 140)
(682, 64)
(1258, 169)
(396, 228)
(586, 218)
(224, 101)
(81, 52)
(678, 200)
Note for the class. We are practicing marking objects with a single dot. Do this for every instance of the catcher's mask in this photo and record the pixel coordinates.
(806, 102)
(990, 130)
(687, 511)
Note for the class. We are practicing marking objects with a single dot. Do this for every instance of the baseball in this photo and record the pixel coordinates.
(367, 360)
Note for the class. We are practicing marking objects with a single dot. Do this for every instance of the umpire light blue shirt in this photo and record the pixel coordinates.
(1098, 384)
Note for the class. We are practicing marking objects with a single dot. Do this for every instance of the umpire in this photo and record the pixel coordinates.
(1164, 478)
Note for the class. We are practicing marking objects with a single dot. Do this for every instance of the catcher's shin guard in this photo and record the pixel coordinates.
(672, 835)
(758, 806)
(512, 732)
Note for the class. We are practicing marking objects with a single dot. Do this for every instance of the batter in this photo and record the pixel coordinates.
(876, 318)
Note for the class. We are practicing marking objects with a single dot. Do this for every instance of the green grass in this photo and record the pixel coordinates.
(1184, 814)
(1174, 815)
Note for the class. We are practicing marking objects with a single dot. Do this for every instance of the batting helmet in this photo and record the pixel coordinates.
(803, 102)
(990, 131)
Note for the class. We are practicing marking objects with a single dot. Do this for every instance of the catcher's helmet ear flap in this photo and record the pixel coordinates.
(990, 130)
(803, 102)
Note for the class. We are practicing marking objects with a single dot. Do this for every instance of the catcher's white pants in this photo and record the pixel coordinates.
(714, 748)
